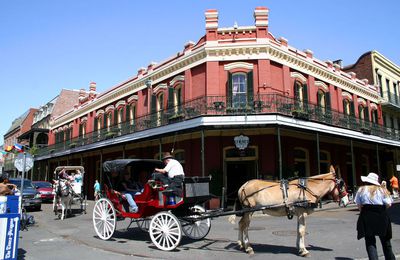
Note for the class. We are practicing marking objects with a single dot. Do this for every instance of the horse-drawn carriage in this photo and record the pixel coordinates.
(68, 183)
(163, 212)
(166, 214)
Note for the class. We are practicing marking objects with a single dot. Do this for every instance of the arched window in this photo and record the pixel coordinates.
(82, 129)
(346, 107)
(109, 120)
(178, 98)
(321, 99)
(132, 114)
(160, 107)
(301, 166)
(298, 91)
(361, 112)
(374, 116)
(120, 116)
(239, 89)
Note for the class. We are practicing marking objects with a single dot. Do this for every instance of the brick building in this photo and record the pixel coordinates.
(238, 104)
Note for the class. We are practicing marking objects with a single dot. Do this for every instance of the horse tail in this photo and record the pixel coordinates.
(232, 218)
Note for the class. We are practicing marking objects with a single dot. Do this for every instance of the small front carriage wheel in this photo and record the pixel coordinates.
(197, 229)
(104, 218)
(165, 231)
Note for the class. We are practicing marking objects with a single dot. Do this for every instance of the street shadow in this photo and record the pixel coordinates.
(277, 249)
(394, 213)
(21, 253)
(343, 258)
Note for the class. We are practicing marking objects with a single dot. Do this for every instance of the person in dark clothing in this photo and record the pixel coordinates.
(373, 220)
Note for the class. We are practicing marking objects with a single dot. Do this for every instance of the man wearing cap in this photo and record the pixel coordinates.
(172, 173)
(373, 220)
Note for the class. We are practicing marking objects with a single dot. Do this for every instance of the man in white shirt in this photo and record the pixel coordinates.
(172, 173)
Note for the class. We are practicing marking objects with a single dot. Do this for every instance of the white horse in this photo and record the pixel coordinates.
(258, 193)
(63, 196)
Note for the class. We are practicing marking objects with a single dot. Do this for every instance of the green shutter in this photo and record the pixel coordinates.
(80, 129)
(153, 108)
(328, 100)
(229, 90)
(127, 113)
(305, 97)
(95, 124)
(344, 106)
(250, 89)
(366, 114)
(115, 116)
(352, 108)
(170, 98)
(105, 120)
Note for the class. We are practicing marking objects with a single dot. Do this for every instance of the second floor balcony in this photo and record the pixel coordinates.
(224, 106)
(391, 100)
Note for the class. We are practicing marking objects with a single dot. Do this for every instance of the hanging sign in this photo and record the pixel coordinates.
(241, 141)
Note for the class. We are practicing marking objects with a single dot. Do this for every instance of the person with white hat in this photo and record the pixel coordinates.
(373, 220)
(172, 173)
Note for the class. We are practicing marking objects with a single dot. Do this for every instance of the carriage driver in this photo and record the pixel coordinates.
(172, 174)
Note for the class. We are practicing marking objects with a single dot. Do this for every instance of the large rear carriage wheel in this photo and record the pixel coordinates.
(199, 229)
(104, 218)
(165, 231)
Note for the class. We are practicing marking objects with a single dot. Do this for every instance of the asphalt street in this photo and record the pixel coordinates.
(331, 234)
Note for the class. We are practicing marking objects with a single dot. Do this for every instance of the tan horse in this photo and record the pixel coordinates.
(258, 193)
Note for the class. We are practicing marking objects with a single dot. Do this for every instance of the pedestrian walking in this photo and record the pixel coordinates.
(96, 190)
(394, 183)
(372, 201)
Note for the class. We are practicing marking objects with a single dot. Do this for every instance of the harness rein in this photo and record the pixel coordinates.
(282, 183)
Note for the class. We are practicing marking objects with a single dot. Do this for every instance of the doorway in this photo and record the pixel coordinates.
(237, 174)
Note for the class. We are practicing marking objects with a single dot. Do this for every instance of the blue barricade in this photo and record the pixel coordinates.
(9, 226)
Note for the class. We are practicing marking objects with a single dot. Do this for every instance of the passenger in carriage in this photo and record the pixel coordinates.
(124, 193)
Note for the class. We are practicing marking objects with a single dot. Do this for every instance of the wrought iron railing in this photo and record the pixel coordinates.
(391, 98)
(224, 106)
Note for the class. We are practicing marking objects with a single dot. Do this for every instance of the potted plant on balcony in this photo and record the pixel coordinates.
(300, 114)
(110, 135)
(72, 145)
(176, 118)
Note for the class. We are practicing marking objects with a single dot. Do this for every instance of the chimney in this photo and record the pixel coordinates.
(151, 66)
(92, 90)
(339, 62)
(309, 53)
(283, 41)
(141, 72)
(189, 45)
(211, 24)
(92, 87)
(261, 21)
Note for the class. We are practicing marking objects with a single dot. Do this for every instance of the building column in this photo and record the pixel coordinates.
(353, 166)
(202, 154)
(279, 153)
(318, 155)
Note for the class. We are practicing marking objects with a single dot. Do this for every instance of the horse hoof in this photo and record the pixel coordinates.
(304, 254)
(250, 251)
(240, 245)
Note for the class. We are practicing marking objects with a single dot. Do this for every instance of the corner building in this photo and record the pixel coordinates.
(238, 104)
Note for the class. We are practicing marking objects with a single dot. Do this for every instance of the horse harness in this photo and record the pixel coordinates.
(284, 185)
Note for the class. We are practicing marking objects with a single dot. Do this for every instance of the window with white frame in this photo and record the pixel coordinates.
(239, 89)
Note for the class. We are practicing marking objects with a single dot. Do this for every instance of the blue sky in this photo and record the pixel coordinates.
(49, 45)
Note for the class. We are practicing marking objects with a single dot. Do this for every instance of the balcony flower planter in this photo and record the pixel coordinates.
(365, 130)
(72, 145)
(110, 135)
(300, 114)
(176, 118)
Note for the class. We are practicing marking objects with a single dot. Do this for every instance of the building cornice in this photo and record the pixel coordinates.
(212, 51)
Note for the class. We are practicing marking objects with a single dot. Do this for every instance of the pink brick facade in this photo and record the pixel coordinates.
(237, 80)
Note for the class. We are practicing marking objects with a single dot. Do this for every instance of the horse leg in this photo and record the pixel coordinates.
(63, 207)
(301, 232)
(244, 224)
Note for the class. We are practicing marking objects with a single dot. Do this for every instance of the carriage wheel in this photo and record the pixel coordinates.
(143, 224)
(104, 218)
(199, 229)
(165, 231)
